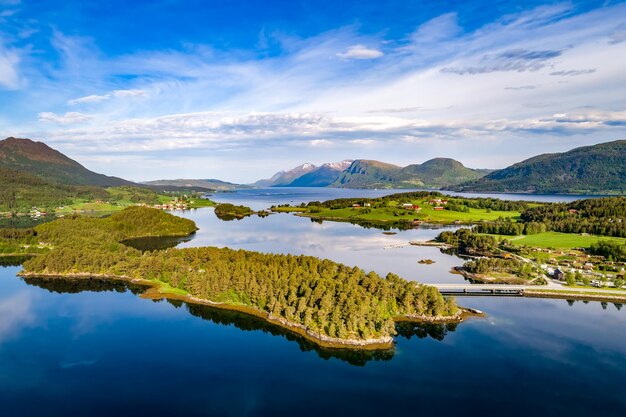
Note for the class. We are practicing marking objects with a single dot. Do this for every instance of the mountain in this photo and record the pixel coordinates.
(37, 158)
(19, 191)
(589, 169)
(434, 173)
(203, 184)
(322, 176)
(364, 173)
(284, 178)
(440, 172)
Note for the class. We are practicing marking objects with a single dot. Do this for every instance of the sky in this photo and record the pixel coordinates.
(238, 90)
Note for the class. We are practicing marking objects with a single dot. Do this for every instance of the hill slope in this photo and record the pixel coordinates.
(37, 158)
(440, 172)
(589, 169)
(19, 191)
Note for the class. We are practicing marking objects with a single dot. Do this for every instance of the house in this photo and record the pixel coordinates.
(588, 266)
(367, 205)
(356, 205)
(438, 208)
(558, 274)
(407, 206)
(573, 211)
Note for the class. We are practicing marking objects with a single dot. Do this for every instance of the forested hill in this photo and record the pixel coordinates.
(20, 191)
(37, 158)
(591, 169)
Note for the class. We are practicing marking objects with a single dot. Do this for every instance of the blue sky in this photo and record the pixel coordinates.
(238, 90)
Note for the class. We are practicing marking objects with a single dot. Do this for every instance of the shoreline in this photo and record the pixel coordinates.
(155, 291)
(383, 221)
(569, 295)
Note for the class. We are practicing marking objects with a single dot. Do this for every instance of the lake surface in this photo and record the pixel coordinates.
(95, 348)
(259, 198)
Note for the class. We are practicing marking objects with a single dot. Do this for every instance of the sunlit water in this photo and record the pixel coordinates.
(94, 348)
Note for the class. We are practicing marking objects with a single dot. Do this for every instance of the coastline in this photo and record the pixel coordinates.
(155, 290)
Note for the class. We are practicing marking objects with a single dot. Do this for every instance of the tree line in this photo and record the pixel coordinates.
(598, 216)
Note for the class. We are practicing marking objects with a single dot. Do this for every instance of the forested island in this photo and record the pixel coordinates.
(227, 211)
(324, 301)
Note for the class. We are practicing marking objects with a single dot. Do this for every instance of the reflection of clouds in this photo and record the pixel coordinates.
(349, 244)
(15, 314)
(551, 328)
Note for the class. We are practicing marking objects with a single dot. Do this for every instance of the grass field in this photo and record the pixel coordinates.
(398, 214)
(558, 240)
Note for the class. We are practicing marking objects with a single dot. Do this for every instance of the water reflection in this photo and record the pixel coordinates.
(247, 322)
(156, 243)
(12, 260)
(339, 241)
(75, 286)
(437, 331)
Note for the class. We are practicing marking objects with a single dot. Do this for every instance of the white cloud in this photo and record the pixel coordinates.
(360, 52)
(130, 93)
(320, 142)
(115, 93)
(16, 313)
(65, 119)
(89, 99)
(9, 77)
(362, 141)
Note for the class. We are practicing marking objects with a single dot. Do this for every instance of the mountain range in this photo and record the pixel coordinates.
(361, 173)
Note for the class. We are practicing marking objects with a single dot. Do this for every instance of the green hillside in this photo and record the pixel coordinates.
(39, 159)
(590, 169)
(19, 192)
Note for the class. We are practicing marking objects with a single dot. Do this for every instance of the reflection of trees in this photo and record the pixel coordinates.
(437, 331)
(75, 286)
(12, 260)
(227, 217)
(240, 320)
(156, 243)
(247, 322)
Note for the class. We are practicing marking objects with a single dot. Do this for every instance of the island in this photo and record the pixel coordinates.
(331, 304)
(228, 211)
(405, 210)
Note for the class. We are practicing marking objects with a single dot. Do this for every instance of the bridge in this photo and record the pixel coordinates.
(481, 289)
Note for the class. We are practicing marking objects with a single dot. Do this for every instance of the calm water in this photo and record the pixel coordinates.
(263, 198)
(96, 348)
